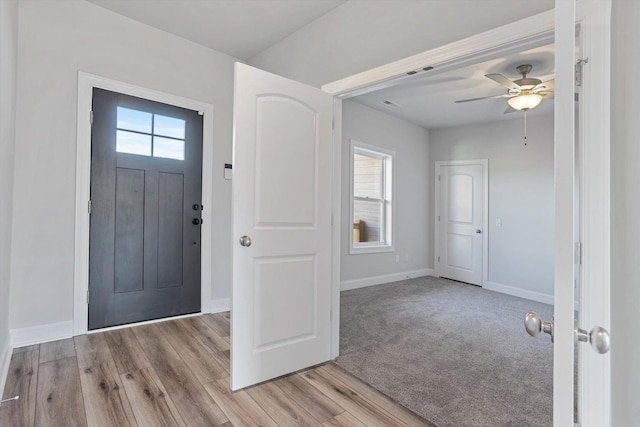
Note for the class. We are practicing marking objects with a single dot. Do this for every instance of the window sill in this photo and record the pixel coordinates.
(370, 249)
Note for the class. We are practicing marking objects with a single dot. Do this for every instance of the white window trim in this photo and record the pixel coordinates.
(372, 247)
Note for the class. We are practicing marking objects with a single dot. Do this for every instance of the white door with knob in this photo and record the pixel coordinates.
(461, 202)
(593, 406)
(281, 297)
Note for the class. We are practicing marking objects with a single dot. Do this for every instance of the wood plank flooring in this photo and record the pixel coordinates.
(176, 373)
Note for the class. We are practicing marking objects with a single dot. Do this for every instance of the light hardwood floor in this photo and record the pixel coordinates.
(176, 373)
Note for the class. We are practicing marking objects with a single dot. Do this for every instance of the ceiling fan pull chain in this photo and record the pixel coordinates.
(525, 128)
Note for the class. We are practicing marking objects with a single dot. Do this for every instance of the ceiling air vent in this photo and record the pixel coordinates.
(389, 103)
(419, 70)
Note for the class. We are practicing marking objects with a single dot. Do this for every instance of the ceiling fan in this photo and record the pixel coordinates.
(522, 94)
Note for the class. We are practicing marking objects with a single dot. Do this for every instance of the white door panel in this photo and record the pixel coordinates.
(564, 170)
(461, 222)
(286, 130)
(282, 200)
(460, 195)
(460, 251)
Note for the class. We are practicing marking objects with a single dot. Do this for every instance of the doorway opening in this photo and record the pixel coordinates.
(86, 85)
(594, 138)
(439, 331)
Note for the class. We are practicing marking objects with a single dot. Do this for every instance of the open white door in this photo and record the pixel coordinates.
(564, 154)
(282, 175)
(593, 383)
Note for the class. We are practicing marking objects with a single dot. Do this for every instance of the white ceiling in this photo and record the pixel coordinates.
(240, 28)
(427, 99)
(243, 28)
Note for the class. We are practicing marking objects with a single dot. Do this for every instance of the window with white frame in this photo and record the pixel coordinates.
(371, 198)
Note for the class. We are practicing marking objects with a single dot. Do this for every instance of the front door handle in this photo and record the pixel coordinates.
(478, 231)
(245, 241)
(196, 221)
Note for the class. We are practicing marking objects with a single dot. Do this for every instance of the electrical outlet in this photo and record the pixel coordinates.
(498, 222)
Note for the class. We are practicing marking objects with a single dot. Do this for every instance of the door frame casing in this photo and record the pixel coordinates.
(86, 83)
(485, 214)
(594, 15)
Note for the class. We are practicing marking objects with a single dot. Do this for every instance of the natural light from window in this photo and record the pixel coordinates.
(147, 134)
(371, 207)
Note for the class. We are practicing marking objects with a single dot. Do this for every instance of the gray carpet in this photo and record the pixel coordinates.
(455, 354)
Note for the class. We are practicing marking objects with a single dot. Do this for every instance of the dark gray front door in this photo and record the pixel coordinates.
(146, 180)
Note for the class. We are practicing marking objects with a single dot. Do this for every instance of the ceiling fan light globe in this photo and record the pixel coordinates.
(525, 102)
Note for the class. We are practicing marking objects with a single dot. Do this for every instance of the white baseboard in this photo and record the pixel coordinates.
(5, 359)
(519, 292)
(41, 334)
(57, 331)
(348, 285)
(217, 306)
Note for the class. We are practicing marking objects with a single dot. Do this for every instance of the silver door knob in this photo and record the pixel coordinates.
(478, 231)
(245, 241)
(534, 325)
(598, 338)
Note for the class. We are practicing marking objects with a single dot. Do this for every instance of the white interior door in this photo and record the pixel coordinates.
(593, 379)
(282, 160)
(564, 169)
(461, 221)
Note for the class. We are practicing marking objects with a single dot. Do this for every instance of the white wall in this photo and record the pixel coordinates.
(8, 60)
(412, 176)
(56, 40)
(361, 34)
(625, 213)
(521, 194)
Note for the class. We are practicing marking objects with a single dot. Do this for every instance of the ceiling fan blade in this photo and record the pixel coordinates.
(499, 78)
(546, 95)
(484, 97)
(548, 85)
(510, 109)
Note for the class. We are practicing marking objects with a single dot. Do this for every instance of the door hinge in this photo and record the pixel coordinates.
(333, 124)
(578, 253)
(578, 70)
(438, 259)
(87, 296)
(91, 117)
(438, 218)
(438, 177)
(89, 207)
